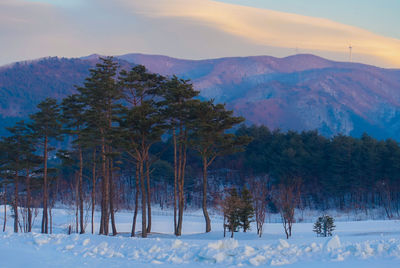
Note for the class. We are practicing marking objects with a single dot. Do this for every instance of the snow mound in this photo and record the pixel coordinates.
(257, 260)
(224, 244)
(333, 244)
(367, 245)
(41, 241)
(86, 242)
(224, 253)
(283, 244)
(177, 244)
(221, 251)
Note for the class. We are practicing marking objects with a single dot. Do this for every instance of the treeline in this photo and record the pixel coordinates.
(338, 172)
(107, 131)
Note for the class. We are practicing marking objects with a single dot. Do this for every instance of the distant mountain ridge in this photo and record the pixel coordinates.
(298, 92)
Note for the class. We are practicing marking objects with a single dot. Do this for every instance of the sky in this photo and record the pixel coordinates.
(379, 16)
(200, 29)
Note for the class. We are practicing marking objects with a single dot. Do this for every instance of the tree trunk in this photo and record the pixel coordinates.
(181, 182)
(257, 215)
(148, 196)
(80, 183)
(179, 178)
(51, 220)
(16, 202)
(45, 229)
(136, 201)
(28, 200)
(143, 190)
(77, 204)
(286, 228)
(54, 198)
(175, 184)
(224, 226)
(112, 193)
(205, 212)
(93, 187)
(101, 231)
(5, 207)
(105, 192)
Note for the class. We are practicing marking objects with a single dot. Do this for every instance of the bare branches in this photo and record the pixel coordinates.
(287, 198)
(260, 188)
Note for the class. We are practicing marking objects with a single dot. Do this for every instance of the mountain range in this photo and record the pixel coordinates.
(300, 92)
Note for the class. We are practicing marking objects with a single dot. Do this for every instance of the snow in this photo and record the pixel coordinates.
(333, 244)
(283, 243)
(354, 244)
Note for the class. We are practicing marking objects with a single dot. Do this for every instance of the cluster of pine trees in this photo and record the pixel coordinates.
(130, 138)
(238, 210)
(338, 172)
(109, 128)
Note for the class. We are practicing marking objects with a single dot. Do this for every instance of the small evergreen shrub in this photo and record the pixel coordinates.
(246, 211)
(231, 209)
(324, 226)
(238, 210)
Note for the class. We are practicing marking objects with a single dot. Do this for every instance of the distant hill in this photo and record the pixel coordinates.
(299, 92)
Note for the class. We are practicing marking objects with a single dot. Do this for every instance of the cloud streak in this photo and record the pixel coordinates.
(277, 29)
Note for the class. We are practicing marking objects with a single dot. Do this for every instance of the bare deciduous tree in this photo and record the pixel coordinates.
(287, 198)
(385, 195)
(261, 191)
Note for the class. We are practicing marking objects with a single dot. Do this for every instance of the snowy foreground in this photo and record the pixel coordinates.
(355, 244)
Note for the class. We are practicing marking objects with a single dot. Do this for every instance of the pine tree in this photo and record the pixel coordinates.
(46, 126)
(101, 95)
(17, 148)
(177, 106)
(90, 140)
(144, 125)
(210, 140)
(74, 120)
(324, 226)
(17, 161)
(246, 210)
(231, 209)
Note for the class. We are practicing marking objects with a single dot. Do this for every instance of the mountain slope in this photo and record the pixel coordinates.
(297, 92)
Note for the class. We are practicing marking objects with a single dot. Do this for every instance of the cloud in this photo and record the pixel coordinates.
(277, 29)
(180, 28)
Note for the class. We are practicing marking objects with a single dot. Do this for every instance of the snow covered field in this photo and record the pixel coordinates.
(354, 244)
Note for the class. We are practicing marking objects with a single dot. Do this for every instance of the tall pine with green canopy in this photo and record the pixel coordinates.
(143, 125)
(74, 122)
(46, 126)
(90, 140)
(101, 95)
(177, 106)
(30, 162)
(210, 139)
(18, 150)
